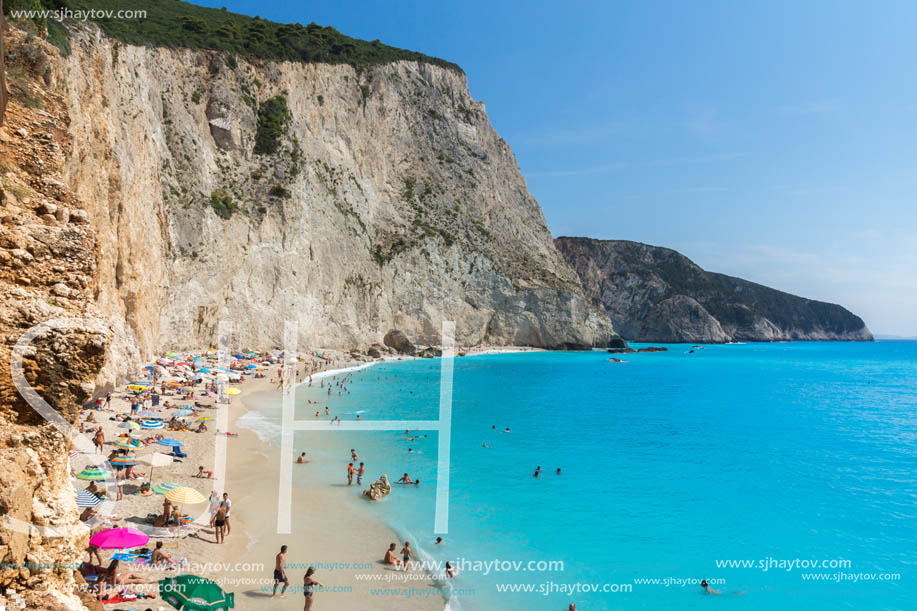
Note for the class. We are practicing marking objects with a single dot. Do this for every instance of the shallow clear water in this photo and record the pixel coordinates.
(670, 462)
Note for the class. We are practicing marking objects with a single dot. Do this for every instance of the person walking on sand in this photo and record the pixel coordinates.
(349, 474)
(280, 574)
(99, 439)
(360, 472)
(309, 584)
(406, 555)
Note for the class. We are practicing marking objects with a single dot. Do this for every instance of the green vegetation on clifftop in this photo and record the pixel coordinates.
(171, 23)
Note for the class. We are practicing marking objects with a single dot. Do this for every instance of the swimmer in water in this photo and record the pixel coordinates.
(537, 471)
(707, 587)
(507, 430)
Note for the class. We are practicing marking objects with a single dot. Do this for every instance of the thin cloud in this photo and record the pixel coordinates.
(614, 167)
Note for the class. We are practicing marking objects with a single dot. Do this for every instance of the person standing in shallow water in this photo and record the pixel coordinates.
(350, 474)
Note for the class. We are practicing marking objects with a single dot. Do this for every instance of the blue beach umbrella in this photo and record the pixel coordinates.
(169, 442)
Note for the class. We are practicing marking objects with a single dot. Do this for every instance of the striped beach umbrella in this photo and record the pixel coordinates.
(164, 487)
(93, 473)
(84, 498)
(169, 442)
(126, 443)
(151, 424)
(184, 495)
(123, 461)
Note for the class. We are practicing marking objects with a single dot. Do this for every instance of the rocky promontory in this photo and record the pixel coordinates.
(655, 294)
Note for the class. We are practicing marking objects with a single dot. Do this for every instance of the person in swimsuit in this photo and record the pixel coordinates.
(406, 555)
(439, 541)
(390, 556)
(219, 522)
(349, 474)
(309, 583)
(302, 458)
(280, 575)
(405, 479)
(360, 472)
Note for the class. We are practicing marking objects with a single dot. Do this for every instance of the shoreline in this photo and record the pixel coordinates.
(340, 535)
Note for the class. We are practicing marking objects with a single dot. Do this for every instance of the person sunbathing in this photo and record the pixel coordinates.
(201, 428)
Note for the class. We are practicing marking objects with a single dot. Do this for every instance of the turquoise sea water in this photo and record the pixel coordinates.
(670, 462)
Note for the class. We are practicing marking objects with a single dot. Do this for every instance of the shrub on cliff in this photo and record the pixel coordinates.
(273, 115)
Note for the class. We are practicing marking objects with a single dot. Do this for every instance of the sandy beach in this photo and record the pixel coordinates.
(328, 533)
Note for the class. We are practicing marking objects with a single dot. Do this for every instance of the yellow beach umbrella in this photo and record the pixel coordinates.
(185, 496)
(233, 391)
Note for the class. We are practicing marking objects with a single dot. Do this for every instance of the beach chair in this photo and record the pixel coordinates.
(176, 451)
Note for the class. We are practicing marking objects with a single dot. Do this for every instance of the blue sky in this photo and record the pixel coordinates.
(774, 141)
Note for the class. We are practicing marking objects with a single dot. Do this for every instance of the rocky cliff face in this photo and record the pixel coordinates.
(656, 294)
(378, 198)
(48, 269)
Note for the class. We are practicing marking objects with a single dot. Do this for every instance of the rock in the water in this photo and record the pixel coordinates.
(430, 352)
(378, 489)
(399, 341)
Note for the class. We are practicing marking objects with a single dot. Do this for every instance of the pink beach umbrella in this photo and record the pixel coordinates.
(119, 538)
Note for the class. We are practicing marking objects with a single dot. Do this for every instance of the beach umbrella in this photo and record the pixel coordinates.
(152, 424)
(204, 370)
(193, 593)
(119, 538)
(171, 354)
(251, 366)
(149, 368)
(123, 461)
(126, 443)
(184, 412)
(233, 391)
(184, 495)
(169, 442)
(93, 474)
(156, 459)
(164, 487)
(84, 498)
(205, 419)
